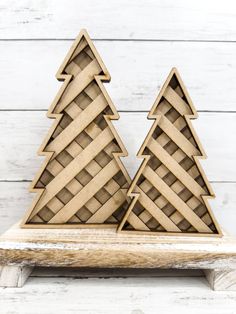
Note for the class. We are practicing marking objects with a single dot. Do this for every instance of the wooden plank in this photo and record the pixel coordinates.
(197, 21)
(31, 64)
(133, 295)
(14, 276)
(221, 280)
(25, 131)
(85, 247)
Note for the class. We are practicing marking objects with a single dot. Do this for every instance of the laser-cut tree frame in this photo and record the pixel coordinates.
(170, 190)
(82, 182)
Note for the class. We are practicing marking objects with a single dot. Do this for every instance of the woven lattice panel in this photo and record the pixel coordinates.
(82, 181)
(170, 187)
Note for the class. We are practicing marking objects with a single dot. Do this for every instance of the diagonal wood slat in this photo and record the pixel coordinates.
(136, 222)
(189, 149)
(108, 208)
(157, 213)
(162, 171)
(176, 101)
(77, 126)
(176, 169)
(175, 200)
(80, 162)
(78, 84)
(86, 193)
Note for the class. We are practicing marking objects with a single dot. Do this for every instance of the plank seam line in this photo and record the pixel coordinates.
(126, 39)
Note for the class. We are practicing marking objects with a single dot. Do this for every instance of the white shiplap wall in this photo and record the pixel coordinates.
(139, 42)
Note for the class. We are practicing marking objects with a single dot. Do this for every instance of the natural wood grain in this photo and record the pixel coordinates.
(221, 280)
(197, 21)
(203, 66)
(104, 248)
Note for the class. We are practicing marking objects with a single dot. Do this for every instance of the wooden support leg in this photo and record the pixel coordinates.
(221, 279)
(14, 276)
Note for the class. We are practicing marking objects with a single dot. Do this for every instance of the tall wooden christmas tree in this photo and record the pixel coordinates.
(170, 190)
(82, 181)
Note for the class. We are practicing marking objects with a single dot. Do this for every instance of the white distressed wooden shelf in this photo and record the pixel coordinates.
(22, 249)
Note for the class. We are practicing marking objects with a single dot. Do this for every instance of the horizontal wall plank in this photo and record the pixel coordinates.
(138, 70)
(152, 19)
(117, 295)
(23, 132)
(15, 200)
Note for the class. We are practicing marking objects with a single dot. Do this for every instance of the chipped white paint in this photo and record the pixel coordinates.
(221, 280)
(14, 276)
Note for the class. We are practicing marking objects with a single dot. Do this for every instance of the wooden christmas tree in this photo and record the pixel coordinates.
(82, 181)
(170, 189)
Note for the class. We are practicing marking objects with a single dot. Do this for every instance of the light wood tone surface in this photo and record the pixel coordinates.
(82, 174)
(107, 248)
(170, 175)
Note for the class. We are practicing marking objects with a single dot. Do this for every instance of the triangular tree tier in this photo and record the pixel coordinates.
(170, 190)
(82, 181)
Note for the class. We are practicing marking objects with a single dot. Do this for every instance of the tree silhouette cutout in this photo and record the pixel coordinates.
(82, 180)
(170, 190)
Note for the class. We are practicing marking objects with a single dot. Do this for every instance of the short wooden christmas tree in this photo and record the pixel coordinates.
(82, 180)
(170, 190)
